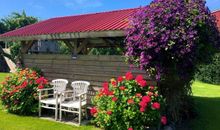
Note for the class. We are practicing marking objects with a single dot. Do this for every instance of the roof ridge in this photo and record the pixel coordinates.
(215, 11)
(95, 13)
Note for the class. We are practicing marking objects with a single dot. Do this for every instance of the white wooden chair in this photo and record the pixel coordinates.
(49, 98)
(75, 102)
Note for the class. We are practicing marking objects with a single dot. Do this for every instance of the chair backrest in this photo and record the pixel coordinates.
(59, 85)
(80, 87)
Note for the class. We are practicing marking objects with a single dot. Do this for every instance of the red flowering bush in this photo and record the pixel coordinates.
(128, 103)
(19, 91)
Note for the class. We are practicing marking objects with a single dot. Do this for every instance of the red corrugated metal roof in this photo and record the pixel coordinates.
(217, 15)
(114, 20)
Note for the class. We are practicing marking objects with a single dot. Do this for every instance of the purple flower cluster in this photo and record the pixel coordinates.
(169, 33)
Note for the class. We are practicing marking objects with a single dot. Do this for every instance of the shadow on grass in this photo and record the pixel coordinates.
(208, 109)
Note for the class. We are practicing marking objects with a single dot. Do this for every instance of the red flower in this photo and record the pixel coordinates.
(142, 83)
(151, 88)
(40, 87)
(146, 99)
(105, 85)
(142, 109)
(164, 120)
(156, 105)
(24, 84)
(114, 99)
(130, 128)
(139, 78)
(41, 80)
(109, 112)
(93, 111)
(128, 76)
(150, 94)
(110, 93)
(120, 79)
(122, 88)
(114, 83)
(143, 104)
(130, 101)
(138, 95)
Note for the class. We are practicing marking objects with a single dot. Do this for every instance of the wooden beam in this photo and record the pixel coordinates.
(25, 46)
(62, 36)
(82, 46)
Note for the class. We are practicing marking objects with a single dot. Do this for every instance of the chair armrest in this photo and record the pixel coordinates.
(81, 94)
(65, 92)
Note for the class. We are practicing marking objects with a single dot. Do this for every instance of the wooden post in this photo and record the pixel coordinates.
(25, 46)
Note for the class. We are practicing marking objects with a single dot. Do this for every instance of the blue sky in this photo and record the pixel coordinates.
(45, 9)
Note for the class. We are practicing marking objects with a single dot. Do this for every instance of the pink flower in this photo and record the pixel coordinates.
(146, 99)
(143, 104)
(120, 79)
(142, 83)
(122, 88)
(114, 83)
(150, 94)
(138, 95)
(151, 88)
(114, 99)
(109, 112)
(164, 120)
(128, 76)
(40, 87)
(142, 109)
(130, 128)
(139, 78)
(93, 111)
(130, 101)
(105, 85)
(156, 105)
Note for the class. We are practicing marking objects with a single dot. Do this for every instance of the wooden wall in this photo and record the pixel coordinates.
(95, 69)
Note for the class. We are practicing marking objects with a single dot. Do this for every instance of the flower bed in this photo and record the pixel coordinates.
(128, 103)
(19, 91)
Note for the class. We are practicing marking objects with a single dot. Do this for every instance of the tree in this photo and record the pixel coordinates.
(169, 39)
(12, 22)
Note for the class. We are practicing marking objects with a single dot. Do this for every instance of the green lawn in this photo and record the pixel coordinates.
(13, 122)
(207, 99)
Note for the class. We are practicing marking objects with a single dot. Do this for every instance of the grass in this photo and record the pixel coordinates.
(14, 122)
(207, 100)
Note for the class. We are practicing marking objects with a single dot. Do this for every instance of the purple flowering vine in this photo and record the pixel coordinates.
(170, 34)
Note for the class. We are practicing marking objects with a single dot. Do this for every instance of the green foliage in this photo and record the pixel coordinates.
(106, 51)
(19, 91)
(15, 49)
(210, 73)
(63, 48)
(18, 20)
(12, 22)
(128, 104)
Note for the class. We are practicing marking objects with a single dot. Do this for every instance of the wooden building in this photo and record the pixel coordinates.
(80, 33)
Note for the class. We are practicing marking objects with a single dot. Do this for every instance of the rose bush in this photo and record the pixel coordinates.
(19, 91)
(128, 103)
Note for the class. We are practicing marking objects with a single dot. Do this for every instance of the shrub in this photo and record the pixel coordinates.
(128, 104)
(19, 91)
(169, 39)
(210, 73)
